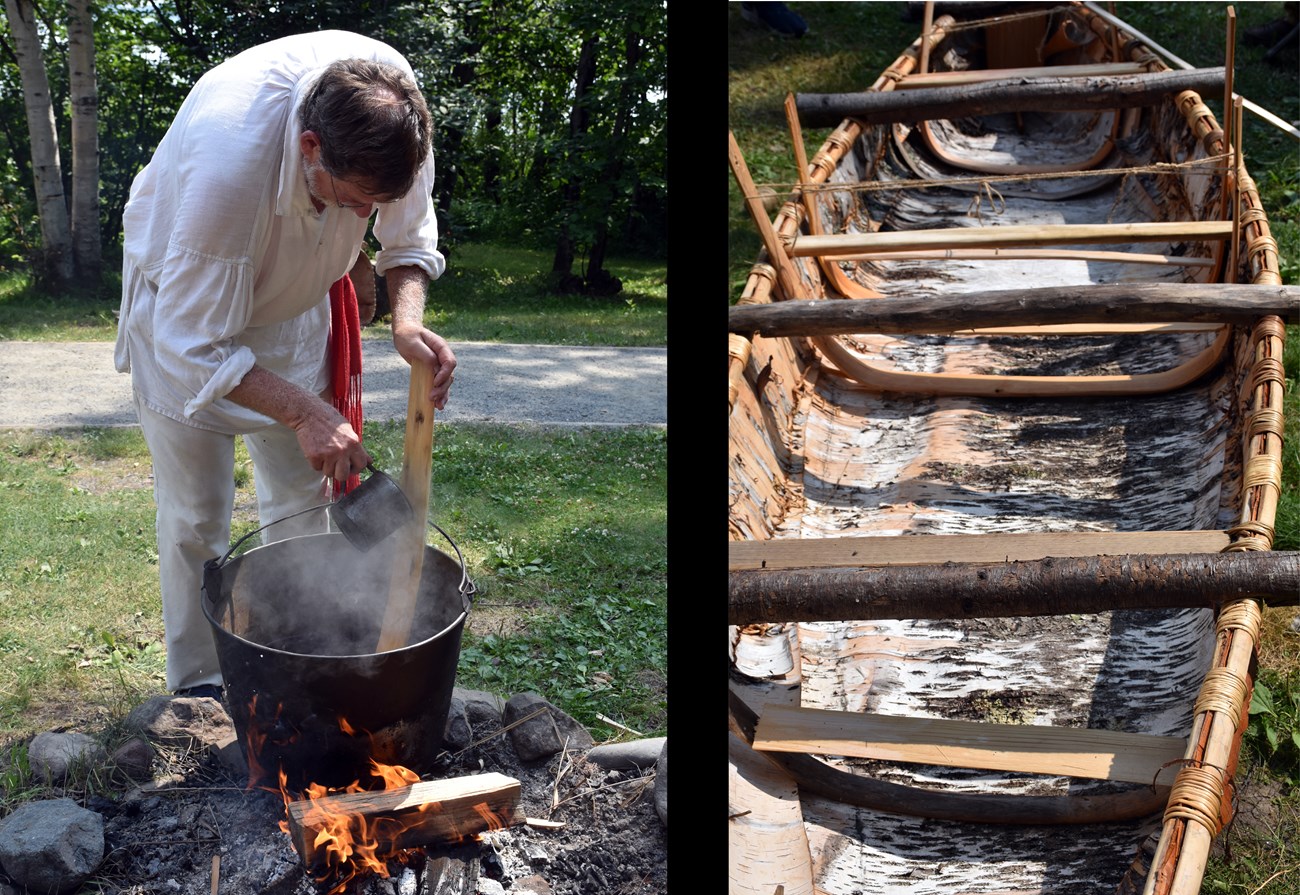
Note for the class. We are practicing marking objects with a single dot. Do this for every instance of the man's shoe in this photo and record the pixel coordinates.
(776, 16)
(202, 691)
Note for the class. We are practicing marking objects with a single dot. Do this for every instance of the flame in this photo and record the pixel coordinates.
(345, 845)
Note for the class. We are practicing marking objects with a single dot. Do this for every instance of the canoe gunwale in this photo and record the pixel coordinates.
(1199, 803)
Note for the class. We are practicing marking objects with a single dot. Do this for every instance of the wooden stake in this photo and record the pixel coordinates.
(801, 162)
(216, 872)
(440, 812)
(926, 28)
(1227, 78)
(1238, 166)
(785, 275)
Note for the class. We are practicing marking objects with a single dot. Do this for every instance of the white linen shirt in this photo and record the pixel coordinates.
(226, 262)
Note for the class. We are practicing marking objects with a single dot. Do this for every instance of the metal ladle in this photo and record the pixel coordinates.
(372, 511)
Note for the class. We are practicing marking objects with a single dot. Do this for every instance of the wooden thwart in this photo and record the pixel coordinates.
(429, 813)
(1053, 586)
(1032, 749)
(837, 244)
(826, 553)
(1046, 306)
(1007, 95)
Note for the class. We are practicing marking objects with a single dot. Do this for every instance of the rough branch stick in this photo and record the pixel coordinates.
(436, 812)
(1047, 306)
(1053, 586)
(1008, 95)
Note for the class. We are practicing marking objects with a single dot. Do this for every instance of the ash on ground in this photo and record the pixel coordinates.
(196, 822)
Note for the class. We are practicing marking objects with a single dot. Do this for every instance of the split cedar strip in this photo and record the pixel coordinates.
(438, 812)
(913, 550)
(980, 75)
(837, 244)
(1112, 303)
(1053, 586)
(1026, 748)
(815, 776)
(1008, 95)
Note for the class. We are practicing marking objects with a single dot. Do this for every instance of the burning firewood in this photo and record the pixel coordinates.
(338, 828)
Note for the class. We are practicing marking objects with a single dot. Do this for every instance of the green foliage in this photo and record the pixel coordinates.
(1274, 732)
(498, 78)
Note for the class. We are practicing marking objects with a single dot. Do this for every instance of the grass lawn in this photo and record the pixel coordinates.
(488, 293)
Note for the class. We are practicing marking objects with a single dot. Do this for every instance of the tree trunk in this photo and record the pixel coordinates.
(56, 263)
(599, 281)
(579, 120)
(85, 143)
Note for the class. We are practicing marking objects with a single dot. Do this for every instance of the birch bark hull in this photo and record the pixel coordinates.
(872, 419)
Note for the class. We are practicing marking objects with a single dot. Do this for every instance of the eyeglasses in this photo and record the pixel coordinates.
(341, 204)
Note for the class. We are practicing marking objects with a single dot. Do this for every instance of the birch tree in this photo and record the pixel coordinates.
(84, 94)
(56, 237)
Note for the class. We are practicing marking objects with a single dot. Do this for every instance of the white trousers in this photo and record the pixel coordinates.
(194, 487)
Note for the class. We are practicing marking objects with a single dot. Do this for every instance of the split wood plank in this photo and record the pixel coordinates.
(1032, 749)
(1045, 94)
(836, 244)
(825, 553)
(1045, 306)
(426, 813)
(1120, 257)
(980, 75)
(818, 777)
(1039, 587)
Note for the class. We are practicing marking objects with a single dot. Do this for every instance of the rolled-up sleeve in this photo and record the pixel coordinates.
(407, 229)
(204, 304)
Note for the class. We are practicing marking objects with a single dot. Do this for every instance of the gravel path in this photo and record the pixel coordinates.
(49, 385)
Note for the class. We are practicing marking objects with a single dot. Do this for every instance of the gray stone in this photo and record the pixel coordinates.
(182, 721)
(661, 785)
(531, 885)
(134, 758)
(481, 707)
(546, 734)
(51, 846)
(488, 886)
(457, 735)
(632, 755)
(53, 755)
(231, 757)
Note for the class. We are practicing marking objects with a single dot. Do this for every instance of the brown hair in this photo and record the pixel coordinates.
(372, 122)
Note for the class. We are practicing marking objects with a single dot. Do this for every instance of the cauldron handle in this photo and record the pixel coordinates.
(218, 563)
(467, 588)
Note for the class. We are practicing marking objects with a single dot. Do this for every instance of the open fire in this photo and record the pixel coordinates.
(380, 821)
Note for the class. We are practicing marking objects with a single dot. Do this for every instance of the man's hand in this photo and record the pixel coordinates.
(423, 346)
(330, 444)
(327, 440)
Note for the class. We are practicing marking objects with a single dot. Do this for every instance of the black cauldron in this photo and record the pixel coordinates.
(296, 623)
